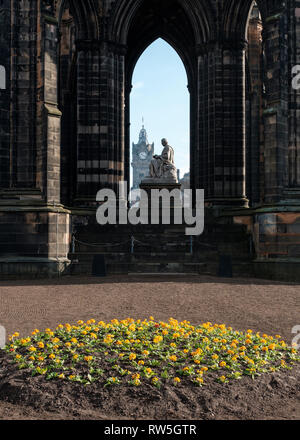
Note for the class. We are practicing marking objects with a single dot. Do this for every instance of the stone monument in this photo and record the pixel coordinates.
(162, 175)
(162, 170)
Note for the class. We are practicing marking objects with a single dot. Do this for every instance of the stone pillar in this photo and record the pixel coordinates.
(34, 227)
(23, 94)
(254, 147)
(5, 72)
(48, 115)
(276, 113)
(221, 124)
(294, 100)
(100, 119)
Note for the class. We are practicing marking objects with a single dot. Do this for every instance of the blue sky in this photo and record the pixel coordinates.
(160, 95)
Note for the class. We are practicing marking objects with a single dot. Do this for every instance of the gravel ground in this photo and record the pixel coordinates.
(266, 306)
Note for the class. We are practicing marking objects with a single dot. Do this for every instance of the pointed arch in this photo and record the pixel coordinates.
(86, 14)
(236, 16)
(201, 17)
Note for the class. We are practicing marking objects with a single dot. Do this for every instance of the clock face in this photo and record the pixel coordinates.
(143, 155)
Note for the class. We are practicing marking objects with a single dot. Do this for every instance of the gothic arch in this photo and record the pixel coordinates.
(86, 15)
(201, 17)
(236, 16)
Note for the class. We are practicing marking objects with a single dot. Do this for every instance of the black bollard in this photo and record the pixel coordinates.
(99, 266)
(225, 266)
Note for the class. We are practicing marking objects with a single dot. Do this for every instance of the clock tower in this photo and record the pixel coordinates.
(142, 154)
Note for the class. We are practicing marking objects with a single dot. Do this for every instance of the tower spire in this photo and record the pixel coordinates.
(143, 134)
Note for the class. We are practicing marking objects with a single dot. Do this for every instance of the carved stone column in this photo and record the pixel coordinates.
(276, 112)
(100, 118)
(221, 124)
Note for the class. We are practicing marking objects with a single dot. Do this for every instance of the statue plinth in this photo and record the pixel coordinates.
(162, 176)
(150, 184)
(159, 183)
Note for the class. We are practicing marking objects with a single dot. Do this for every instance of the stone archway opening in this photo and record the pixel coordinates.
(175, 22)
(159, 107)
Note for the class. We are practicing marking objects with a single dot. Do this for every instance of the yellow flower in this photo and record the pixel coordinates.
(32, 349)
(132, 356)
(88, 358)
(222, 364)
(157, 339)
(173, 358)
(41, 345)
(55, 340)
(61, 376)
(199, 380)
(177, 380)
(52, 356)
(141, 362)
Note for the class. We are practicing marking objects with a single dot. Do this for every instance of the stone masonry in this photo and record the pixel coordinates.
(65, 80)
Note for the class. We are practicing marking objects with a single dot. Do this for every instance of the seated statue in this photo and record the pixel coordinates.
(162, 167)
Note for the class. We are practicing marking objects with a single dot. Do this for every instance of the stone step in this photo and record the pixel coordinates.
(239, 269)
(143, 267)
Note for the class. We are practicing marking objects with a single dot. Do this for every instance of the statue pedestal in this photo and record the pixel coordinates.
(166, 204)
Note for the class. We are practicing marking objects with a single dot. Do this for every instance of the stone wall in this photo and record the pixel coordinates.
(85, 77)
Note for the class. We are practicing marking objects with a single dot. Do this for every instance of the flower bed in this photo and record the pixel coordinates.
(136, 352)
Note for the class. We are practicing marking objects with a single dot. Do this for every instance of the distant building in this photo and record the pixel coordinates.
(185, 181)
(142, 154)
